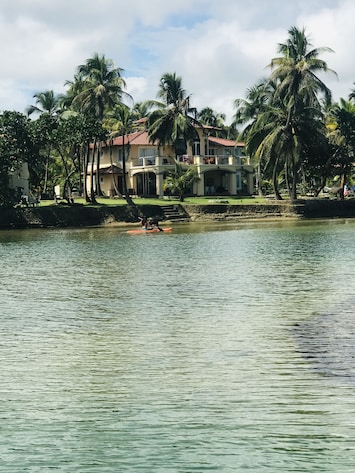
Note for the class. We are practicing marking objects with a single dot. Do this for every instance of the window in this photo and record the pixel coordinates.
(148, 152)
(239, 181)
(120, 155)
(196, 148)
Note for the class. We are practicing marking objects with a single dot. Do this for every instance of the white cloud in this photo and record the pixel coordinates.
(219, 48)
(334, 28)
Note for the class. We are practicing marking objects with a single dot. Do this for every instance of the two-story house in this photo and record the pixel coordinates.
(19, 180)
(221, 165)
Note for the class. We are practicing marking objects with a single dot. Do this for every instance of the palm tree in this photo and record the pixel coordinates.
(48, 107)
(293, 109)
(341, 126)
(99, 88)
(46, 102)
(172, 123)
(296, 71)
(209, 117)
(141, 110)
(352, 94)
(121, 121)
(180, 180)
(258, 100)
(171, 91)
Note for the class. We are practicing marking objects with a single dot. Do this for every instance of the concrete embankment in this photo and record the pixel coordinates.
(80, 216)
(64, 216)
(310, 208)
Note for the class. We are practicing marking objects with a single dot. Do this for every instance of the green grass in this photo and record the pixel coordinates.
(207, 200)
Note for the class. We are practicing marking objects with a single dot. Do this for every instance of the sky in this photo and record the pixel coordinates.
(219, 48)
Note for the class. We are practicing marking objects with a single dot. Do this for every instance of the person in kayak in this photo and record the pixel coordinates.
(154, 223)
(144, 222)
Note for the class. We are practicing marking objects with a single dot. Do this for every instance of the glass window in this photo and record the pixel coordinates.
(239, 181)
(196, 148)
(148, 152)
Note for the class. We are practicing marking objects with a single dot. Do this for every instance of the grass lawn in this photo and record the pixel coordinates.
(208, 200)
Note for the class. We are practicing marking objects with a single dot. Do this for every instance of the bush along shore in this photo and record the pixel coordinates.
(87, 216)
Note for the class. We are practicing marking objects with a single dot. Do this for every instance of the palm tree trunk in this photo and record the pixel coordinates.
(274, 181)
(294, 169)
(342, 184)
(258, 179)
(67, 178)
(46, 170)
(115, 187)
(124, 177)
(92, 190)
(97, 173)
(294, 183)
(85, 171)
(46, 175)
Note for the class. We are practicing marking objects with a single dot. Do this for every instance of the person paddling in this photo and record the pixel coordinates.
(144, 222)
(154, 222)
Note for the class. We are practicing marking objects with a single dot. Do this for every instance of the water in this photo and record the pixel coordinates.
(211, 349)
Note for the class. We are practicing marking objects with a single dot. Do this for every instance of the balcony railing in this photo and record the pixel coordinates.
(214, 160)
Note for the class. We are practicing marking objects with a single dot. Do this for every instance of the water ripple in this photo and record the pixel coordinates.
(196, 351)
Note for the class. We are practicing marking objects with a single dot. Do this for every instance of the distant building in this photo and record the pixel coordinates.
(222, 167)
(19, 180)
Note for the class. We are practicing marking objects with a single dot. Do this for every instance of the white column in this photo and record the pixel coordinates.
(232, 180)
(200, 185)
(159, 185)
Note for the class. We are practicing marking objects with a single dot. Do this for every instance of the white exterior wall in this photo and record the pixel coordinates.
(20, 179)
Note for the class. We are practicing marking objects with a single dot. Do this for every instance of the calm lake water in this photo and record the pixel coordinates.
(211, 349)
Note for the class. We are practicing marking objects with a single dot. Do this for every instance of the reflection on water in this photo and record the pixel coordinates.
(327, 341)
(214, 348)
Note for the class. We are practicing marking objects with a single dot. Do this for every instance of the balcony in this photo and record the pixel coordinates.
(214, 160)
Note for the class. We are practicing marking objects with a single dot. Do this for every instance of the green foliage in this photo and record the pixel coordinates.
(16, 147)
(283, 113)
(171, 123)
(101, 86)
(180, 180)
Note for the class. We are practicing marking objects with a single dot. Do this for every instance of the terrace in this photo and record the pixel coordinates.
(212, 160)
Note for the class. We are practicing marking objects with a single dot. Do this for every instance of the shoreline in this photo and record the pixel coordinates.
(86, 216)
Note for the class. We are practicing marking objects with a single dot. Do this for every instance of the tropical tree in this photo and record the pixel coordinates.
(172, 122)
(70, 142)
(100, 86)
(352, 94)
(121, 122)
(341, 135)
(180, 180)
(141, 110)
(17, 146)
(48, 107)
(258, 100)
(46, 102)
(300, 89)
(209, 117)
(287, 109)
(295, 72)
(97, 89)
(41, 171)
(258, 97)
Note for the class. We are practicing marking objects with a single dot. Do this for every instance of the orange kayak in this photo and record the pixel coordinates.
(149, 230)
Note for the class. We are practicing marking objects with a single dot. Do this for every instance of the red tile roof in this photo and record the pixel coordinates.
(224, 142)
(137, 138)
(108, 170)
(141, 138)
